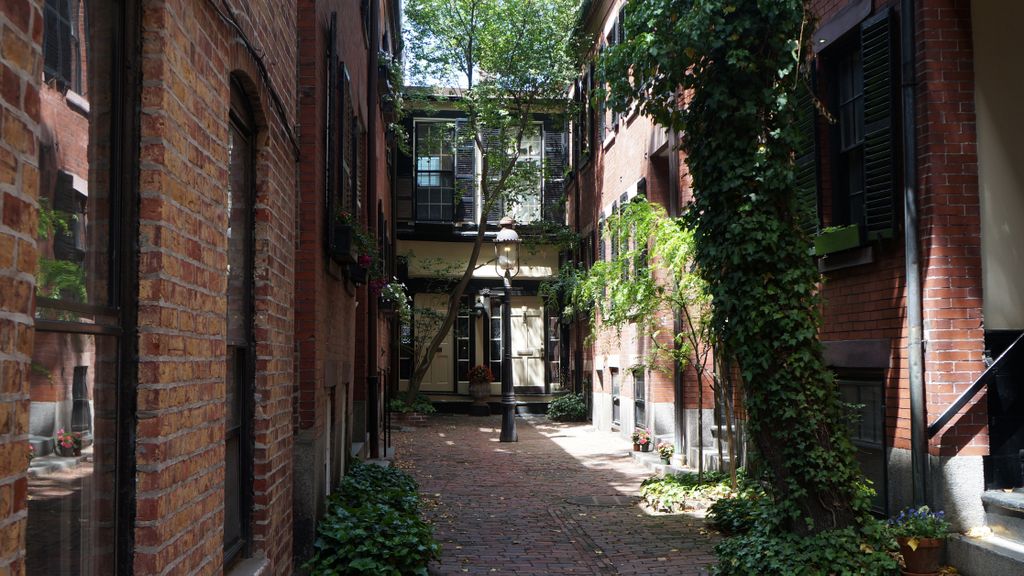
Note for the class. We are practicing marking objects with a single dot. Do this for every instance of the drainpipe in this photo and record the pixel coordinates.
(915, 354)
(679, 430)
(372, 378)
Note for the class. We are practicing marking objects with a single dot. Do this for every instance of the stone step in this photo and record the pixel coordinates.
(985, 556)
(1004, 513)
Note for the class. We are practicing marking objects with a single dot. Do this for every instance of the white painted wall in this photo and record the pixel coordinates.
(999, 93)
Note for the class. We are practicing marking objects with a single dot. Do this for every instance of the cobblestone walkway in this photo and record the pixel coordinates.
(560, 501)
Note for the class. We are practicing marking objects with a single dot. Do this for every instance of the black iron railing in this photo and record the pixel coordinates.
(971, 392)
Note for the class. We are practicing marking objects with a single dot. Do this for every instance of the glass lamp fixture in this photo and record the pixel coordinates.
(506, 249)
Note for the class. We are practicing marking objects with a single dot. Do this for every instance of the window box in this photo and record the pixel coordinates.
(342, 247)
(837, 239)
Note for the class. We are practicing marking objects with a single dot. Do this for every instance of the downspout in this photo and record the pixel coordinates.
(679, 431)
(915, 355)
(372, 346)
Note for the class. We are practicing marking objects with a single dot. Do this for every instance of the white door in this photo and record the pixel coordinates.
(528, 341)
(431, 309)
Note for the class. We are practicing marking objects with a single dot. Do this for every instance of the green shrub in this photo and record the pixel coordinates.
(846, 552)
(372, 539)
(568, 408)
(757, 544)
(372, 526)
(368, 483)
(678, 492)
(421, 405)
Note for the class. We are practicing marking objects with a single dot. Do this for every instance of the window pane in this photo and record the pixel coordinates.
(72, 388)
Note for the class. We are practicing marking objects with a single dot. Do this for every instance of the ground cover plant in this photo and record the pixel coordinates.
(684, 491)
(373, 526)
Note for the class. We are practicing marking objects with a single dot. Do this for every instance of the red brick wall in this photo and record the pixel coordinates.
(869, 301)
(21, 35)
(188, 56)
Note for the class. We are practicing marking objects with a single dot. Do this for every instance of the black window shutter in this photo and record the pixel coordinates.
(807, 162)
(465, 172)
(877, 51)
(553, 202)
(601, 100)
(600, 241)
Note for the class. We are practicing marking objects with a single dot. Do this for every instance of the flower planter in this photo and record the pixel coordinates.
(479, 392)
(645, 447)
(636, 447)
(342, 249)
(666, 461)
(924, 559)
(837, 239)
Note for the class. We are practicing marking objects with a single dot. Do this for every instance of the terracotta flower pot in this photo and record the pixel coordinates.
(636, 447)
(925, 560)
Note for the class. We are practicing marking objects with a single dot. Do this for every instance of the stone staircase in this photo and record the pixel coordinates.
(1001, 552)
(711, 458)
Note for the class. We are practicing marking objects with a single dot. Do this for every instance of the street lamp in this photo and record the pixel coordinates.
(506, 264)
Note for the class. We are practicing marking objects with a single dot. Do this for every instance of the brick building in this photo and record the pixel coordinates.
(965, 310)
(614, 159)
(342, 340)
(154, 228)
(438, 206)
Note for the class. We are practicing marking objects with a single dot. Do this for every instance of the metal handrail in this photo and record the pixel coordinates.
(969, 394)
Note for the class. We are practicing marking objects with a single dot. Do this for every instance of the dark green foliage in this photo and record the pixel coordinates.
(422, 405)
(758, 544)
(568, 408)
(372, 526)
(367, 484)
(738, 63)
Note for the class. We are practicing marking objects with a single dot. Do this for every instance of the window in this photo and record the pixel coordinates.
(639, 397)
(849, 185)
(405, 352)
(435, 171)
(616, 401)
(61, 51)
(241, 356)
(865, 396)
(75, 523)
(495, 350)
(463, 344)
(531, 153)
(556, 378)
(861, 95)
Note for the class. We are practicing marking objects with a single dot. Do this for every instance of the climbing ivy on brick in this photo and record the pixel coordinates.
(725, 76)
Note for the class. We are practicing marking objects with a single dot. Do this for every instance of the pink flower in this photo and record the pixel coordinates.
(365, 260)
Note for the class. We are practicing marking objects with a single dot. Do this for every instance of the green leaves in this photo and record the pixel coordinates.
(720, 72)
(372, 526)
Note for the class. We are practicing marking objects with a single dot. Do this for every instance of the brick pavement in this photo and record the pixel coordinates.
(540, 506)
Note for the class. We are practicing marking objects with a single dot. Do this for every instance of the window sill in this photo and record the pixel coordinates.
(250, 567)
(857, 256)
(610, 138)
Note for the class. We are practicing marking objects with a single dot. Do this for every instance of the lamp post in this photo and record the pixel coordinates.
(506, 264)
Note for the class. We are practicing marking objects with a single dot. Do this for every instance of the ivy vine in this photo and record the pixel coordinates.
(724, 75)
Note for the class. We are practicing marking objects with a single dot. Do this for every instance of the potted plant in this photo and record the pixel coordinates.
(837, 238)
(666, 450)
(921, 535)
(68, 443)
(641, 440)
(480, 378)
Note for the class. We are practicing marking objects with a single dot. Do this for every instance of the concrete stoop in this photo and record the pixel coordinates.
(986, 556)
(652, 462)
(1001, 551)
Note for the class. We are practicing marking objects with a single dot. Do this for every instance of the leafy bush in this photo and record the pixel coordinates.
(758, 545)
(568, 408)
(421, 405)
(372, 526)
(367, 484)
(678, 492)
